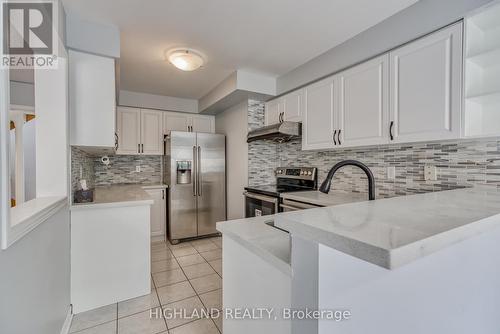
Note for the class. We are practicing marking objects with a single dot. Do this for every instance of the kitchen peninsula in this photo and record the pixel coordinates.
(381, 258)
(110, 239)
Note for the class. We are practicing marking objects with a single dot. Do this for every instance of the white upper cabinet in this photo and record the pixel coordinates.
(173, 121)
(482, 74)
(286, 108)
(128, 130)
(273, 110)
(92, 100)
(363, 112)
(319, 115)
(426, 85)
(202, 123)
(139, 131)
(151, 132)
(293, 106)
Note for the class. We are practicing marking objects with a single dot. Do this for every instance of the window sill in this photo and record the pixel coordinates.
(27, 216)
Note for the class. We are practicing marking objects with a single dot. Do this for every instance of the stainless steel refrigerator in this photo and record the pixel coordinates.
(195, 170)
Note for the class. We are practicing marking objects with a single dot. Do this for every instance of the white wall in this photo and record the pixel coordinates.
(152, 101)
(22, 93)
(233, 123)
(92, 37)
(35, 281)
(421, 18)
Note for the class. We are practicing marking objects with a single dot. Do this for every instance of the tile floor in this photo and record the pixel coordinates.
(186, 276)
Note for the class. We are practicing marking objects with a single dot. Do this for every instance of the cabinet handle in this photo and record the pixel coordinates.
(338, 137)
(138, 148)
(334, 141)
(163, 194)
(390, 130)
(142, 148)
(116, 142)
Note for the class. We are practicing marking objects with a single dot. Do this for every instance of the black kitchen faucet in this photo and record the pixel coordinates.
(325, 186)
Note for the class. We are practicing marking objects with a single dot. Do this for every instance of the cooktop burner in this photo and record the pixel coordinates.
(274, 189)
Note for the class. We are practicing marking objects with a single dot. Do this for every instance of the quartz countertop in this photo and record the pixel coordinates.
(321, 199)
(270, 244)
(396, 231)
(119, 195)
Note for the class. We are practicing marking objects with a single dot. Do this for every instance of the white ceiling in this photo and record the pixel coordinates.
(268, 37)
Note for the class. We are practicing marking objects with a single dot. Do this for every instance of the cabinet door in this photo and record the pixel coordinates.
(426, 78)
(293, 106)
(151, 132)
(175, 122)
(158, 211)
(203, 124)
(92, 100)
(272, 112)
(128, 130)
(319, 118)
(364, 103)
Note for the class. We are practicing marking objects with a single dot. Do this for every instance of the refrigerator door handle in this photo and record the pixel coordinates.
(198, 166)
(194, 168)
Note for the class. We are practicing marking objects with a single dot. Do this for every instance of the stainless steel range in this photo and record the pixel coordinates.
(265, 199)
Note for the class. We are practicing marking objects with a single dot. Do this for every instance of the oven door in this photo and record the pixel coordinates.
(260, 205)
(289, 205)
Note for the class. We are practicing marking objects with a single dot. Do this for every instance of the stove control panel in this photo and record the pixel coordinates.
(304, 173)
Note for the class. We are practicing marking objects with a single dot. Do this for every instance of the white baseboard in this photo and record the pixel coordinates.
(67, 323)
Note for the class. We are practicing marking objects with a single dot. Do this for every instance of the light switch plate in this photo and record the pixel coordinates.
(391, 173)
(138, 169)
(430, 173)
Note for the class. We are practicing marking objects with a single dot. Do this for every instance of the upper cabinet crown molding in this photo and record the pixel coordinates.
(92, 100)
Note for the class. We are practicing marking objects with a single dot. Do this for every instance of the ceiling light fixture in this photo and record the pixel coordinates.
(185, 59)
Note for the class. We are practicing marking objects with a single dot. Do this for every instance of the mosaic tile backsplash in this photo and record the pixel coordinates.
(121, 169)
(460, 163)
(82, 167)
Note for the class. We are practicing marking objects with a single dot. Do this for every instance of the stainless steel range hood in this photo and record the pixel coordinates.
(280, 132)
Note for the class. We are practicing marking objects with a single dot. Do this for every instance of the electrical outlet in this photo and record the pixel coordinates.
(430, 173)
(138, 169)
(391, 173)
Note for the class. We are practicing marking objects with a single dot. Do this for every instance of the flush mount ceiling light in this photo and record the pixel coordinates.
(185, 59)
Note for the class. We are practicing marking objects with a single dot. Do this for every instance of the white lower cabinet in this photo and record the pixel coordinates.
(426, 87)
(363, 112)
(319, 115)
(158, 211)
